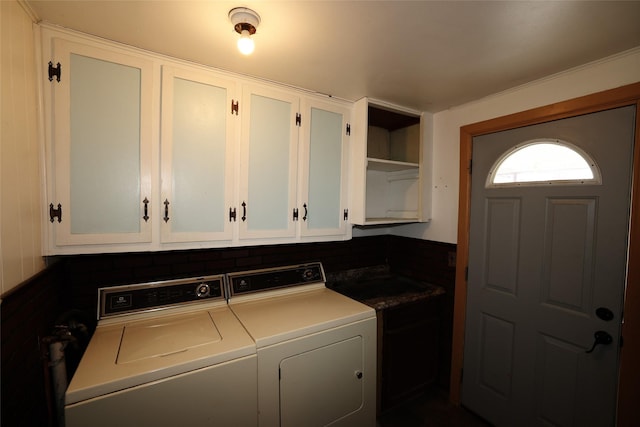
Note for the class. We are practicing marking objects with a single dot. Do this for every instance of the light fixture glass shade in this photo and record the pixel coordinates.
(245, 43)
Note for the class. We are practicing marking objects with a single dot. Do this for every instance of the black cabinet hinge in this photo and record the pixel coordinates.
(235, 106)
(232, 214)
(298, 119)
(53, 213)
(54, 71)
(346, 214)
(295, 214)
(348, 129)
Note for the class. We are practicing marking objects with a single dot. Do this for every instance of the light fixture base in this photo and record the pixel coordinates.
(243, 19)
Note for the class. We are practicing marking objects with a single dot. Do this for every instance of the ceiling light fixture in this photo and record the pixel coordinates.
(245, 21)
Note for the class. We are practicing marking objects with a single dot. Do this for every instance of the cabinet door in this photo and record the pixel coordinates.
(101, 145)
(323, 160)
(198, 130)
(269, 163)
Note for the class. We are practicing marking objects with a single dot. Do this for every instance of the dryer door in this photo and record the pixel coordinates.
(323, 385)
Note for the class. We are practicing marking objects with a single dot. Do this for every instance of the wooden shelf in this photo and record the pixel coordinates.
(384, 165)
(389, 221)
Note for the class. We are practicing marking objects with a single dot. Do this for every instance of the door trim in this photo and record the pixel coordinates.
(629, 382)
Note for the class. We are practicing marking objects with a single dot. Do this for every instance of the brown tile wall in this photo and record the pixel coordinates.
(28, 314)
(433, 262)
(72, 282)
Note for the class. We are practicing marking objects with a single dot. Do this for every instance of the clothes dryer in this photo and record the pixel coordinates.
(316, 348)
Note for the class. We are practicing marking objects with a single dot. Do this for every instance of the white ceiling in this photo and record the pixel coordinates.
(428, 55)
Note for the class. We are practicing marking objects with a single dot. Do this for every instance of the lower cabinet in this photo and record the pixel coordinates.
(408, 350)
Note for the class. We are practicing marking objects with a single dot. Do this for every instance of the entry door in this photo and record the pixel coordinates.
(542, 260)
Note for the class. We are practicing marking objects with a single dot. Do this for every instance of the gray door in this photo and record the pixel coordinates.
(542, 260)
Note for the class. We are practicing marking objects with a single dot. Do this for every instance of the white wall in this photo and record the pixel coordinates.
(608, 73)
(20, 185)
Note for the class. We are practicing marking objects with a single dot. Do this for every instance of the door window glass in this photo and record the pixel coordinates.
(544, 162)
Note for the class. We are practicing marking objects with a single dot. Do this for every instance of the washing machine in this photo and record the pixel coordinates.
(316, 348)
(167, 353)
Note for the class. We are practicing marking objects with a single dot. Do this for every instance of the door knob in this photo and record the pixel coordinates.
(601, 337)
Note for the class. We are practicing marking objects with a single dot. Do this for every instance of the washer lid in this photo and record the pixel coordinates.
(154, 338)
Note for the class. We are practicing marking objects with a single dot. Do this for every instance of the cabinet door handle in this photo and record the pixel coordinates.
(304, 218)
(244, 211)
(146, 210)
(166, 210)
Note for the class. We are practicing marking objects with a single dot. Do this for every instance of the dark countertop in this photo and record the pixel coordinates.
(380, 289)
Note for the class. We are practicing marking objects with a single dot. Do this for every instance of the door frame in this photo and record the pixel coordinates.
(629, 381)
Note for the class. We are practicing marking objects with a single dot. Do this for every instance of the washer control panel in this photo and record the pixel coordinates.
(247, 282)
(128, 299)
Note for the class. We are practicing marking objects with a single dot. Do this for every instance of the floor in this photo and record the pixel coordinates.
(431, 409)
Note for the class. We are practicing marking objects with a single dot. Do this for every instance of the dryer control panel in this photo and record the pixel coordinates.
(247, 282)
(118, 300)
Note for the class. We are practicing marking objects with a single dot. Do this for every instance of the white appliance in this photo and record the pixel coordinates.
(316, 348)
(165, 354)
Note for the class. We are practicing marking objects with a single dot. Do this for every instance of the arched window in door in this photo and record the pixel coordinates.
(544, 162)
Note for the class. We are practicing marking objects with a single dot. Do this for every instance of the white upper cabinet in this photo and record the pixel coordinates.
(148, 153)
(323, 161)
(99, 141)
(197, 156)
(386, 164)
(268, 168)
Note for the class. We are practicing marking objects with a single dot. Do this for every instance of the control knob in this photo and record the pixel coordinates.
(308, 274)
(203, 290)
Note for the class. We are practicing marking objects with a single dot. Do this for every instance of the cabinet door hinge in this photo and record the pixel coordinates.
(232, 214)
(54, 71)
(55, 212)
(346, 214)
(295, 214)
(348, 129)
(235, 106)
(298, 119)
(470, 166)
